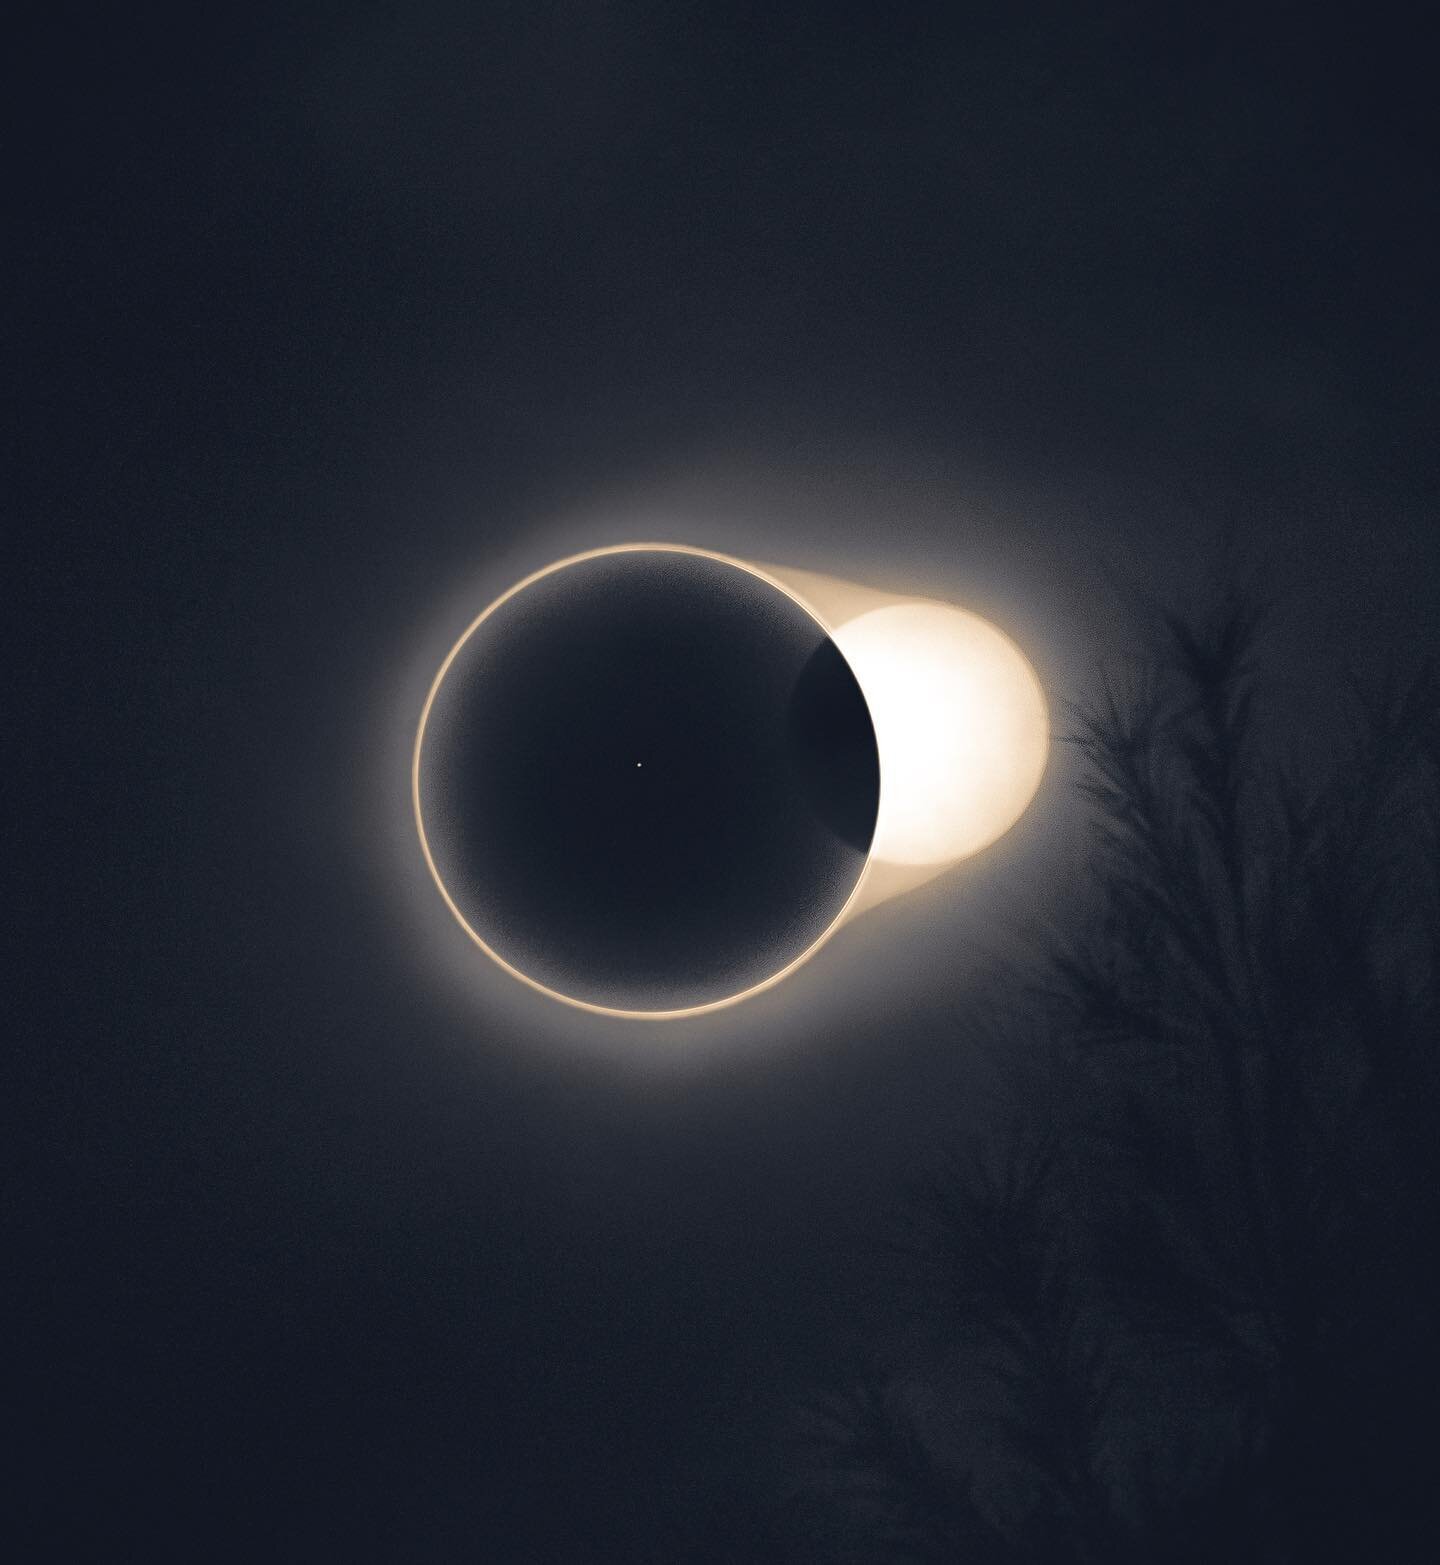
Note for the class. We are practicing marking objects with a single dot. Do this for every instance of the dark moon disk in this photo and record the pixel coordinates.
(648, 780)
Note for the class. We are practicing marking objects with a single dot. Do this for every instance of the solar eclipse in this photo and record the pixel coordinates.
(652, 780)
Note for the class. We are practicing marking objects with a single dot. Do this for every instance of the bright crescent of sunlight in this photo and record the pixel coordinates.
(961, 725)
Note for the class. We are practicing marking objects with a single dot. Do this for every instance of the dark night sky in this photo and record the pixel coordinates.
(321, 1242)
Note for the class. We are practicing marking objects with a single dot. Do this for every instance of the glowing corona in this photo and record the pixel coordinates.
(415, 794)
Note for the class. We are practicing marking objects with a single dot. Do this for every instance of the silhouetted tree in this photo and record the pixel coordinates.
(1178, 1307)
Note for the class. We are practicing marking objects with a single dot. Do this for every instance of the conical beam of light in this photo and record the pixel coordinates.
(961, 727)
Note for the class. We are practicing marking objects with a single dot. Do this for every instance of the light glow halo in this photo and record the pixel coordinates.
(509, 967)
(961, 725)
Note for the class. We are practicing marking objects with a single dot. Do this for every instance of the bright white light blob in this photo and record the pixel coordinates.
(961, 725)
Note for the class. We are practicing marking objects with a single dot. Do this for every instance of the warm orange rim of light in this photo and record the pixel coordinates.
(494, 955)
